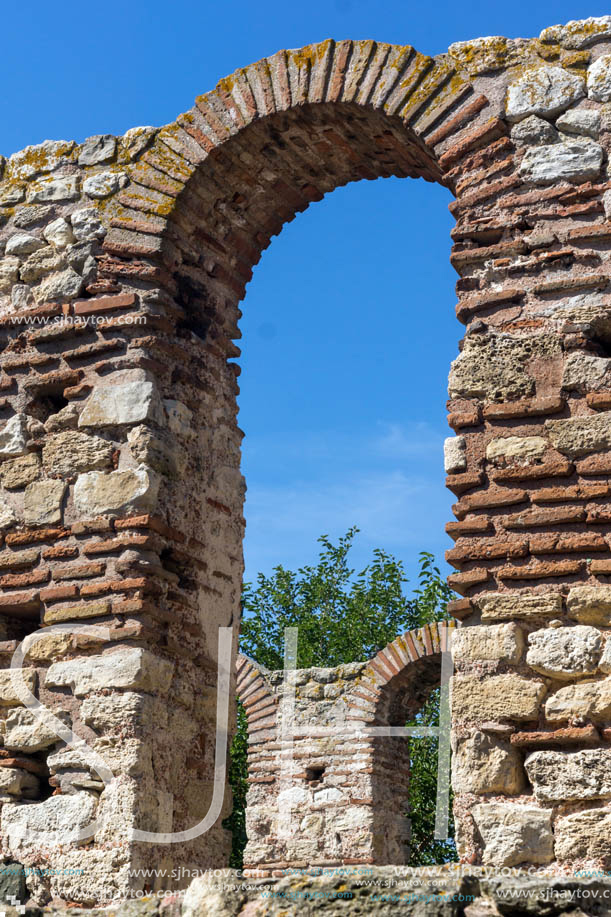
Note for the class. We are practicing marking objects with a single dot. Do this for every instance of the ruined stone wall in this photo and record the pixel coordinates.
(121, 500)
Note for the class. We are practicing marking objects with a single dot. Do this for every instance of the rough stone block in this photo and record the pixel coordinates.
(565, 652)
(559, 776)
(543, 91)
(496, 697)
(519, 448)
(454, 454)
(590, 605)
(96, 493)
(579, 436)
(589, 700)
(18, 472)
(24, 732)
(514, 834)
(489, 643)
(47, 824)
(576, 160)
(584, 836)
(482, 764)
(43, 502)
(13, 436)
(135, 669)
(498, 606)
(16, 782)
(599, 79)
(125, 403)
(71, 452)
(8, 695)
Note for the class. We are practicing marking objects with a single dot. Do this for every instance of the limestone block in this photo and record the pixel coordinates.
(96, 493)
(482, 764)
(590, 700)
(16, 473)
(579, 436)
(495, 366)
(23, 732)
(180, 418)
(54, 189)
(43, 500)
(47, 824)
(17, 782)
(496, 697)
(543, 91)
(490, 643)
(496, 606)
(70, 452)
(66, 419)
(579, 33)
(559, 776)
(86, 224)
(8, 695)
(53, 646)
(40, 263)
(103, 184)
(13, 436)
(160, 451)
(136, 669)
(22, 243)
(583, 121)
(66, 284)
(127, 756)
(534, 130)
(59, 233)
(514, 834)
(584, 836)
(454, 454)
(97, 149)
(565, 652)
(519, 448)
(41, 157)
(125, 403)
(9, 273)
(7, 515)
(605, 659)
(586, 373)
(572, 160)
(91, 876)
(108, 712)
(599, 79)
(590, 605)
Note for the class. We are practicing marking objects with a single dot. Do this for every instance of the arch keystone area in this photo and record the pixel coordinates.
(123, 263)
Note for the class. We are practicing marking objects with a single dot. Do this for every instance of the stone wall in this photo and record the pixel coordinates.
(122, 265)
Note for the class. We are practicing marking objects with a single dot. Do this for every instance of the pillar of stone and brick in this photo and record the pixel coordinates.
(121, 499)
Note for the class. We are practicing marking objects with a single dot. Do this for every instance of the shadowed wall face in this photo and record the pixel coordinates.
(123, 264)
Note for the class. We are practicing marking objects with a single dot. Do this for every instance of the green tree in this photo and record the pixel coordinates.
(344, 616)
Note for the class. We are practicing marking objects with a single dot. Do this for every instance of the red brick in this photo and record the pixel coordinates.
(61, 552)
(481, 136)
(115, 586)
(12, 580)
(79, 571)
(599, 401)
(557, 468)
(600, 566)
(542, 517)
(525, 407)
(473, 526)
(571, 735)
(104, 304)
(459, 419)
(574, 492)
(493, 497)
(57, 593)
(487, 550)
(460, 483)
(460, 608)
(595, 464)
(464, 114)
(541, 570)
(20, 602)
(460, 582)
(123, 543)
(34, 535)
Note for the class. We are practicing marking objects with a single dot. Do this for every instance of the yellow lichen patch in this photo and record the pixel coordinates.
(481, 55)
(577, 60)
(444, 75)
(204, 102)
(44, 157)
(577, 33)
(310, 55)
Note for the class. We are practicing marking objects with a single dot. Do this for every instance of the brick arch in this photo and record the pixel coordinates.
(412, 662)
(256, 696)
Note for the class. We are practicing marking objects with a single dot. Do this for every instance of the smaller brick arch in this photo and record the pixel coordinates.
(256, 696)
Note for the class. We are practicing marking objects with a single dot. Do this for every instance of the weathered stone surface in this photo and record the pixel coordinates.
(104, 184)
(9, 273)
(40, 263)
(584, 836)
(97, 149)
(43, 502)
(17, 472)
(180, 418)
(39, 158)
(583, 121)
(7, 515)
(13, 436)
(126, 403)
(454, 454)
(543, 91)
(489, 643)
(514, 834)
(578, 33)
(496, 366)
(22, 243)
(104, 712)
(590, 605)
(579, 436)
(559, 776)
(70, 452)
(520, 448)
(136, 669)
(57, 820)
(482, 764)
(96, 493)
(54, 189)
(23, 732)
(498, 606)
(86, 224)
(586, 373)
(571, 160)
(599, 79)
(75, 612)
(16, 782)
(534, 130)
(495, 697)
(157, 450)
(66, 284)
(565, 652)
(590, 700)
(59, 233)
(8, 695)
(52, 647)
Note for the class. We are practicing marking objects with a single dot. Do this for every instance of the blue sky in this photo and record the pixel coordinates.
(348, 323)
